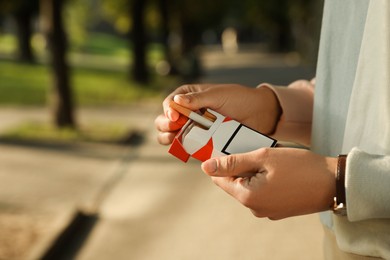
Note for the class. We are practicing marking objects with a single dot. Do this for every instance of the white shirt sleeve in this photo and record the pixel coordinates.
(367, 186)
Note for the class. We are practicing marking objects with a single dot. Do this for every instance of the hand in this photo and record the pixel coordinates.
(257, 108)
(277, 182)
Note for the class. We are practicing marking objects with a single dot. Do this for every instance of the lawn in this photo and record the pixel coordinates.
(22, 84)
(99, 75)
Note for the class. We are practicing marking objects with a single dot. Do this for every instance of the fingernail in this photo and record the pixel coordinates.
(210, 166)
(181, 98)
(172, 116)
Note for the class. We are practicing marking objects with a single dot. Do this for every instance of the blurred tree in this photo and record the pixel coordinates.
(138, 36)
(163, 6)
(305, 18)
(185, 18)
(80, 16)
(128, 16)
(284, 25)
(52, 26)
(288, 25)
(23, 12)
(189, 19)
(272, 17)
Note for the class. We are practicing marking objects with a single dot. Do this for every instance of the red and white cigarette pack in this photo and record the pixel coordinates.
(225, 136)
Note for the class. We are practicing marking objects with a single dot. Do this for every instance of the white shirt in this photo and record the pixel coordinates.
(351, 114)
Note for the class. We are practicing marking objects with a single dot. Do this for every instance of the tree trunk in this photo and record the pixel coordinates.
(24, 33)
(284, 38)
(138, 37)
(190, 68)
(61, 98)
(163, 7)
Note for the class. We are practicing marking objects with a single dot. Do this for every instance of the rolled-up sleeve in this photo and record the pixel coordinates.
(296, 101)
(367, 185)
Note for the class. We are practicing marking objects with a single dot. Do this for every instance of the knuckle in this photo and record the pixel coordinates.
(264, 152)
(188, 88)
(258, 214)
(160, 139)
(275, 217)
(162, 124)
(157, 122)
(247, 200)
(229, 163)
(165, 138)
(257, 208)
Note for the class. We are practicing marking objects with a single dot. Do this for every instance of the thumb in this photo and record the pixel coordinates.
(234, 165)
(197, 100)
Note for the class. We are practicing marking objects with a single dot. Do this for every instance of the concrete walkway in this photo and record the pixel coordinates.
(42, 186)
(164, 209)
(159, 208)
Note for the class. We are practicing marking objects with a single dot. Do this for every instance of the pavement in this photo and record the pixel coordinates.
(146, 203)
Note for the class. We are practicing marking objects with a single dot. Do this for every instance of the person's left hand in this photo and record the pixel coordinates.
(277, 182)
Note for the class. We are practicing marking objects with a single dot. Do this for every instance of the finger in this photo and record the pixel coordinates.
(198, 100)
(166, 138)
(225, 183)
(171, 113)
(236, 187)
(234, 165)
(163, 124)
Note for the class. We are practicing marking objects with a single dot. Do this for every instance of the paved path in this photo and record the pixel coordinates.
(42, 185)
(164, 209)
(160, 209)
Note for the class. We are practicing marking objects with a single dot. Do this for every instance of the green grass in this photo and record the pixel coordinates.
(8, 43)
(94, 87)
(24, 84)
(99, 74)
(100, 43)
(109, 45)
(99, 77)
(94, 132)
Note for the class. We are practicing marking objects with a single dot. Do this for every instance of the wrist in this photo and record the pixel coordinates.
(272, 110)
(331, 164)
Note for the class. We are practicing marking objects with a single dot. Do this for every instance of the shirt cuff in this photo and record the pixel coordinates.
(367, 182)
(296, 101)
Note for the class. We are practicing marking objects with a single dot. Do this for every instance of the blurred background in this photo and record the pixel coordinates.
(80, 85)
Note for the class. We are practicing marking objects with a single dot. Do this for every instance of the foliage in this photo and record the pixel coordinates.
(202, 13)
(77, 15)
(117, 12)
(24, 84)
(98, 71)
(101, 59)
(18, 6)
(103, 44)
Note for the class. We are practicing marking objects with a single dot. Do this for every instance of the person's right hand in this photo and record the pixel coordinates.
(257, 108)
(277, 182)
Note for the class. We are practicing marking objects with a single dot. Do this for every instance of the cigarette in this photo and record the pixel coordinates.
(209, 116)
(191, 114)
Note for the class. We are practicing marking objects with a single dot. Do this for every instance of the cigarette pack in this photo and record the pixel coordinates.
(225, 136)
